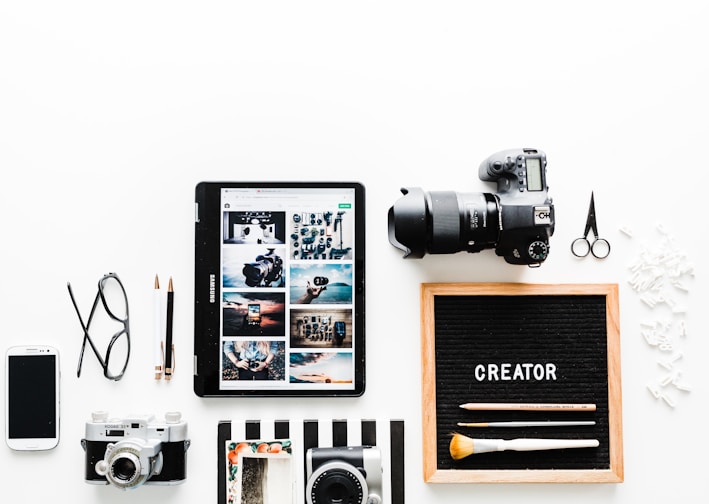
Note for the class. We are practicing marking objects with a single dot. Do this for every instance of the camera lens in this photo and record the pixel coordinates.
(443, 222)
(124, 469)
(255, 272)
(337, 486)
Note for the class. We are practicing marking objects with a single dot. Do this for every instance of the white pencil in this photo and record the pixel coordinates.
(529, 406)
(527, 424)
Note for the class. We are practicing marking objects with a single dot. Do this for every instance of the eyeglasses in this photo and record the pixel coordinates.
(115, 301)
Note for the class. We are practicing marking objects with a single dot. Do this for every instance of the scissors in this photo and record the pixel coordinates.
(599, 248)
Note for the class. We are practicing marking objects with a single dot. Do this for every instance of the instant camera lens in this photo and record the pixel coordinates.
(337, 485)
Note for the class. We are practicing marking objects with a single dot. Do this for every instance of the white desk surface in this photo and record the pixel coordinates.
(110, 115)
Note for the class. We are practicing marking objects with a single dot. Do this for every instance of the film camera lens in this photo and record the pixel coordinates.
(130, 463)
(517, 221)
(124, 469)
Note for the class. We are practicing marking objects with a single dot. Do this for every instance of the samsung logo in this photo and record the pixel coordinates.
(212, 288)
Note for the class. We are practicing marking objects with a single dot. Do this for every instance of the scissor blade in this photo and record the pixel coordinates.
(591, 219)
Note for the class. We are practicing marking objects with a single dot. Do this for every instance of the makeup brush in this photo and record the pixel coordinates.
(463, 446)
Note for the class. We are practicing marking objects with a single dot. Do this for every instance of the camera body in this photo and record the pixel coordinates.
(136, 450)
(343, 474)
(517, 221)
(321, 281)
(266, 269)
(340, 331)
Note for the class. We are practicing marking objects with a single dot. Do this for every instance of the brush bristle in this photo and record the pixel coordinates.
(461, 446)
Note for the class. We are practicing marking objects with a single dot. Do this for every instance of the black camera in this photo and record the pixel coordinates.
(517, 221)
(266, 269)
(129, 452)
(351, 474)
(321, 281)
(340, 332)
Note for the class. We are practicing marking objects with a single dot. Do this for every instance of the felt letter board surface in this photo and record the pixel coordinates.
(521, 343)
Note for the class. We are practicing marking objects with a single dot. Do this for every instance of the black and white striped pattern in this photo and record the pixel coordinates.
(388, 436)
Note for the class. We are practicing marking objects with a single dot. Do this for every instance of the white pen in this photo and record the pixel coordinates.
(157, 306)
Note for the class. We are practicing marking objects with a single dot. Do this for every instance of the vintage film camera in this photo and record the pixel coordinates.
(350, 474)
(266, 269)
(517, 221)
(129, 452)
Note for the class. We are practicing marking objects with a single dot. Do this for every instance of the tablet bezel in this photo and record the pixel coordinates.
(208, 292)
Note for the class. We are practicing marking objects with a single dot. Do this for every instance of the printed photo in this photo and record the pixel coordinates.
(259, 472)
(252, 266)
(253, 360)
(249, 313)
(322, 235)
(320, 283)
(320, 328)
(321, 368)
(255, 227)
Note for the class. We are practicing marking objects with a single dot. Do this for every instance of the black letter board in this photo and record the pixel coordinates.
(520, 344)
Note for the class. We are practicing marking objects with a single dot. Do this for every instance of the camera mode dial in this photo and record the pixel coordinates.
(538, 250)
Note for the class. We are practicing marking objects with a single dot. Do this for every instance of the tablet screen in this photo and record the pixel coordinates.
(279, 289)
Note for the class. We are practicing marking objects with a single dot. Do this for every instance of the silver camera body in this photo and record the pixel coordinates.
(136, 450)
(343, 474)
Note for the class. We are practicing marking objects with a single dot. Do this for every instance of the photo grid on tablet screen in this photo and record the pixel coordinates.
(287, 278)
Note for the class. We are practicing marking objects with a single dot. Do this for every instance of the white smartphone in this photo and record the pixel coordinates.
(32, 397)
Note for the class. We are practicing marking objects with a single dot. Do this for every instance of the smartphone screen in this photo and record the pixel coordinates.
(32, 398)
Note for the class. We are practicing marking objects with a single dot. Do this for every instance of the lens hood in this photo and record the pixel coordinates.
(408, 227)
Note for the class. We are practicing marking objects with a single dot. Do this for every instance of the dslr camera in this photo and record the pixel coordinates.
(131, 451)
(351, 474)
(266, 269)
(516, 221)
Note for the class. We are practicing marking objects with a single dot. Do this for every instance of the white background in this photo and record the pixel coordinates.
(111, 113)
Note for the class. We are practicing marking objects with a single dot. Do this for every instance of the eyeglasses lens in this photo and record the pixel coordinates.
(114, 297)
(117, 355)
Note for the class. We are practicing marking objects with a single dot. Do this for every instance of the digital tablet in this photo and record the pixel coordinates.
(279, 289)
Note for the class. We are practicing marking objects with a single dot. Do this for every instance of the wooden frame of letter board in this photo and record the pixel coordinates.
(613, 473)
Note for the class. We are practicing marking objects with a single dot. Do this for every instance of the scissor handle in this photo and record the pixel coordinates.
(580, 247)
(600, 248)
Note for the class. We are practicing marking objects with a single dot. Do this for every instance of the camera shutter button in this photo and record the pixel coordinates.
(99, 416)
(173, 417)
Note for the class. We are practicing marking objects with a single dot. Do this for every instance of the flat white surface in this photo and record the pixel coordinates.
(110, 113)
